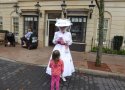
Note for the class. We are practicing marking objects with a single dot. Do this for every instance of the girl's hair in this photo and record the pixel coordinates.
(56, 56)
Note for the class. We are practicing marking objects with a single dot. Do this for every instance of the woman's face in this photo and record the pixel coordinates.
(63, 29)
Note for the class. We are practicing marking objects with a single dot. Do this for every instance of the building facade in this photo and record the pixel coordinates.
(84, 29)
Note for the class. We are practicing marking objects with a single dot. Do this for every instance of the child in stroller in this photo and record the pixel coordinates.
(9, 39)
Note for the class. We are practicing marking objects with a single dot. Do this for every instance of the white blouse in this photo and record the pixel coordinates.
(66, 37)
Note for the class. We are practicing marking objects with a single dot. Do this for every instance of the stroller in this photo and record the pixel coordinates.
(9, 39)
(32, 43)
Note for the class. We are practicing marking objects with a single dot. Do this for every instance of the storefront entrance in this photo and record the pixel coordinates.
(52, 30)
(50, 27)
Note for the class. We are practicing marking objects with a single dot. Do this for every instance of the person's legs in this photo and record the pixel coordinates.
(52, 82)
(23, 40)
(57, 82)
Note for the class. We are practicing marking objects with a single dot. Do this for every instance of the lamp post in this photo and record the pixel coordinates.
(16, 7)
(63, 6)
(91, 7)
(37, 5)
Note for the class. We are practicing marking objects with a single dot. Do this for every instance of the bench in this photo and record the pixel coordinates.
(2, 37)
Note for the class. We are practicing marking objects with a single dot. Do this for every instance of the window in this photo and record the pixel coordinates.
(78, 29)
(16, 25)
(105, 30)
(31, 22)
(1, 23)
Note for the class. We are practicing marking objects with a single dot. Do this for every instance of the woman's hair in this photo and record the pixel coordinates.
(56, 56)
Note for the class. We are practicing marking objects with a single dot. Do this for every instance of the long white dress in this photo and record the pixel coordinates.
(65, 54)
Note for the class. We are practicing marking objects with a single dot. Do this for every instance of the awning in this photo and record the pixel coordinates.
(29, 12)
(78, 12)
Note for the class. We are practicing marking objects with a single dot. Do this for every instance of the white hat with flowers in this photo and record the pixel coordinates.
(63, 22)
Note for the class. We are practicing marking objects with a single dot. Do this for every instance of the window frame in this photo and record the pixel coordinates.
(76, 20)
(15, 26)
(104, 28)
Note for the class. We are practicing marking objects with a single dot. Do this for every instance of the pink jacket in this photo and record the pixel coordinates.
(56, 69)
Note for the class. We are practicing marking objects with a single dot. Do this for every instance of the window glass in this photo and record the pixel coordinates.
(78, 29)
(80, 19)
(30, 22)
(16, 25)
(105, 30)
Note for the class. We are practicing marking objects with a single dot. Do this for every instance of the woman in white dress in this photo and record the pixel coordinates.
(62, 39)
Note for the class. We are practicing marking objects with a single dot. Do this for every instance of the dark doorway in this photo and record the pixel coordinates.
(32, 23)
(52, 30)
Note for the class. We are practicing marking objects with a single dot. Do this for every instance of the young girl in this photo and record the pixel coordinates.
(57, 67)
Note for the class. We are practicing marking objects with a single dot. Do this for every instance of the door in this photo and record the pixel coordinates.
(32, 23)
(51, 29)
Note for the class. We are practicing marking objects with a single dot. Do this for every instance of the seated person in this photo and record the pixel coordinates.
(26, 37)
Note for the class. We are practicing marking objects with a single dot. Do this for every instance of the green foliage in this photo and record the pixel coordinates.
(121, 52)
(109, 51)
(94, 49)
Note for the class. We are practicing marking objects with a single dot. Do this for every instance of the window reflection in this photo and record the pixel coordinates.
(78, 29)
(16, 25)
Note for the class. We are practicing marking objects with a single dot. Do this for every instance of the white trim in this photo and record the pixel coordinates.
(108, 28)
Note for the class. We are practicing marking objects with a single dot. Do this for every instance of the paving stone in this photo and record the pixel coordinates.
(18, 76)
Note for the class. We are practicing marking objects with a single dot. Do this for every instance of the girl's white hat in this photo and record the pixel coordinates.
(63, 22)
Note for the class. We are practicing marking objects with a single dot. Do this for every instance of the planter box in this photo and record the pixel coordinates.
(80, 47)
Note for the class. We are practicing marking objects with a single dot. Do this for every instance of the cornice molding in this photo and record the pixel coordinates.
(13, 1)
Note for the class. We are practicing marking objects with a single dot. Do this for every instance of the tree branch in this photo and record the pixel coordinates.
(97, 4)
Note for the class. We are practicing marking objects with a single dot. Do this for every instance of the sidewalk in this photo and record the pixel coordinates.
(110, 63)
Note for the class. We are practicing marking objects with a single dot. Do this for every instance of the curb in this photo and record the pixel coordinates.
(84, 70)
(96, 72)
(101, 73)
(15, 61)
(7, 59)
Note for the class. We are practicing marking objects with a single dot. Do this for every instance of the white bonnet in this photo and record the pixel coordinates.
(63, 22)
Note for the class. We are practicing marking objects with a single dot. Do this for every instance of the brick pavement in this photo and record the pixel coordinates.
(20, 76)
(41, 56)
